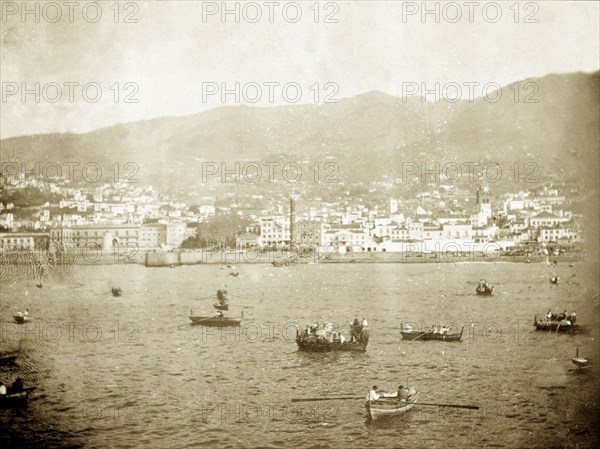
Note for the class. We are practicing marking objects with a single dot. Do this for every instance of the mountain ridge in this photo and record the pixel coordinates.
(368, 134)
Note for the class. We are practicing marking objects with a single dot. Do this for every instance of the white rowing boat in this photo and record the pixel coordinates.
(388, 405)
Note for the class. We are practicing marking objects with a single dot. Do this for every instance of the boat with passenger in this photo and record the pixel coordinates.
(284, 263)
(439, 333)
(219, 319)
(324, 338)
(16, 395)
(484, 288)
(563, 322)
(580, 362)
(21, 317)
(390, 404)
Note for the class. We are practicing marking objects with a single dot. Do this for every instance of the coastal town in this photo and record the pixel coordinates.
(40, 215)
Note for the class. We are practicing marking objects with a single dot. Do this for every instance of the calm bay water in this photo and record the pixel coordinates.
(132, 371)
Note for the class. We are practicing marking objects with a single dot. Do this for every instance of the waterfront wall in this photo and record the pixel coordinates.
(230, 257)
(161, 259)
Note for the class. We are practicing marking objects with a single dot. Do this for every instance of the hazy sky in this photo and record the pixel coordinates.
(175, 48)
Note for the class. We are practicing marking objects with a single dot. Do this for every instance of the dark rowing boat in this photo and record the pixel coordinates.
(580, 362)
(324, 341)
(412, 335)
(16, 399)
(218, 320)
(8, 358)
(562, 326)
(484, 288)
(116, 291)
(284, 263)
(21, 319)
(314, 345)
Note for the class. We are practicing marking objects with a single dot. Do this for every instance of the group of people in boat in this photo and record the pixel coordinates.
(16, 387)
(357, 329)
(483, 286)
(569, 318)
(443, 329)
(403, 394)
(325, 332)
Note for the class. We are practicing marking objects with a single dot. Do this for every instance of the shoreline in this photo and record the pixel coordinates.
(161, 259)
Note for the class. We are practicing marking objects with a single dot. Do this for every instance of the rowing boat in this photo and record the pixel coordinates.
(484, 288)
(322, 345)
(412, 335)
(216, 320)
(18, 399)
(389, 406)
(487, 292)
(8, 358)
(580, 362)
(327, 340)
(21, 319)
(564, 326)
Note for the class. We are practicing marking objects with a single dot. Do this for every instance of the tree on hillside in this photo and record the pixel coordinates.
(219, 230)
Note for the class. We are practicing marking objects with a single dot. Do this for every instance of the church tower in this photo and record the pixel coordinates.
(483, 201)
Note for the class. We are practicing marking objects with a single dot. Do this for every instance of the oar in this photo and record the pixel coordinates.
(341, 398)
(472, 407)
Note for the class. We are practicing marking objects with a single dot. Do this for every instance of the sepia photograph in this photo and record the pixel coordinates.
(299, 224)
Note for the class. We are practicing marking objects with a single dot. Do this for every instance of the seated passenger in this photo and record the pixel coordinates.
(373, 395)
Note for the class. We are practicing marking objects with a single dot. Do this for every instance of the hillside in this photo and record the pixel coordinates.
(370, 135)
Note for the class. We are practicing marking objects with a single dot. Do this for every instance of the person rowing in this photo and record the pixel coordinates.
(403, 394)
